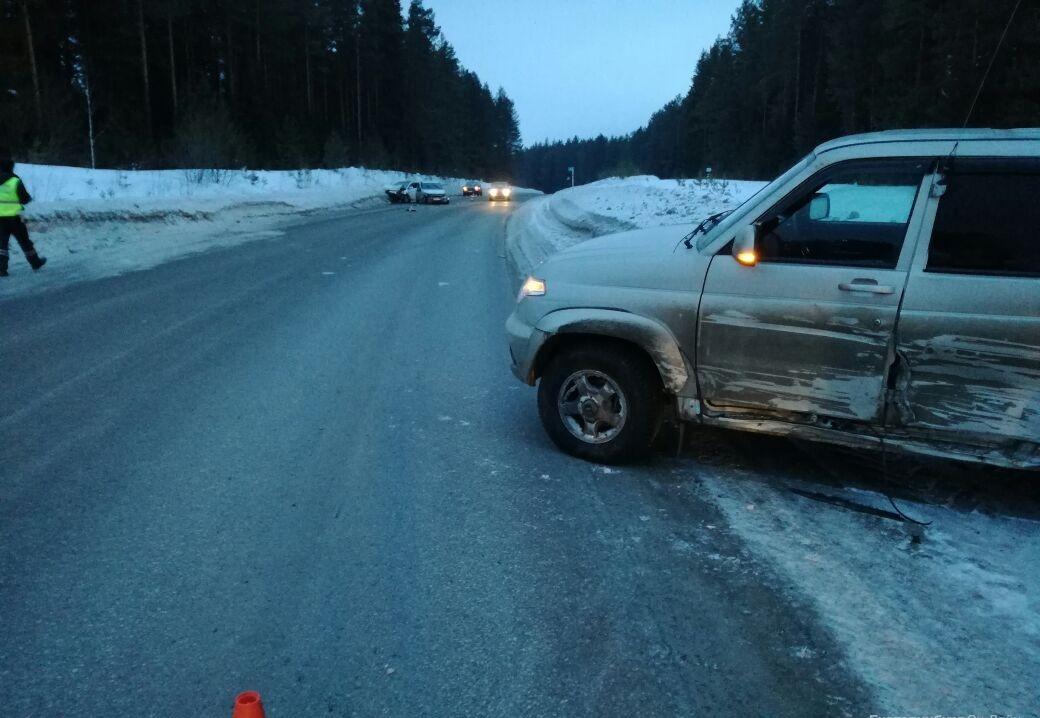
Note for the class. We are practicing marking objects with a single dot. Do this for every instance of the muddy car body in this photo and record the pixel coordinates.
(884, 292)
(428, 193)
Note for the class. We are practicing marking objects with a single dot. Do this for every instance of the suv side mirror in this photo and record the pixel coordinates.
(820, 206)
(744, 246)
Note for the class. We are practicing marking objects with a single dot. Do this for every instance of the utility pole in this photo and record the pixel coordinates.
(357, 78)
(90, 117)
(144, 67)
(32, 65)
(173, 60)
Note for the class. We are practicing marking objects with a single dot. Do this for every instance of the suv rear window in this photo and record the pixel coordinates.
(988, 220)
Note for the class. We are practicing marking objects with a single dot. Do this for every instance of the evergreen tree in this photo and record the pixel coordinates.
(268, 83)
(793, 73)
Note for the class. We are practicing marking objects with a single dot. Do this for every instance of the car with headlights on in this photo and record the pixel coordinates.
(472, 189)
(500, 192)
(882, 294)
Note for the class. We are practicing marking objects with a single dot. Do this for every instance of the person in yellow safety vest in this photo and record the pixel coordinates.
(13, 198)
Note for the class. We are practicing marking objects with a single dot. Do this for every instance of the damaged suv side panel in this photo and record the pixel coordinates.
(969, 329)
(808, 332)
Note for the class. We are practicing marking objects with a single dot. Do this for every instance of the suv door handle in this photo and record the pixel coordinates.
(869, 286)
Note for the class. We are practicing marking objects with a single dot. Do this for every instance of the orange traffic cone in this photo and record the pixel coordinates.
(248, 705)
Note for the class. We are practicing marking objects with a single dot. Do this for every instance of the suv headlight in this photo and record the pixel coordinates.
(532, 287)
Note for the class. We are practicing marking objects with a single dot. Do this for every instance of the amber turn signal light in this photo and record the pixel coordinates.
(749, 258)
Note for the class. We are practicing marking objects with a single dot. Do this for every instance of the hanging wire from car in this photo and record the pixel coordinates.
(993, 57)
(884, 477)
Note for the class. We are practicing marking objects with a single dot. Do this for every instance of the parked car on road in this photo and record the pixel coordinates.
(883, 293)
(500, 191)
(428, 193)
(472, 189)
(398, 194)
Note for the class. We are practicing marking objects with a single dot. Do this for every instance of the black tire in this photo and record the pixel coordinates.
(637, 379)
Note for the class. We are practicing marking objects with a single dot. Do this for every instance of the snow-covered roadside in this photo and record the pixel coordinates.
(96, 223)
(548, 224)
(950, 625)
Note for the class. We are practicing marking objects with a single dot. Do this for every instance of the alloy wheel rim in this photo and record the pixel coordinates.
(592, 406)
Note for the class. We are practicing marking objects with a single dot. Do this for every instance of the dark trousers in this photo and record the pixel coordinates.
(15, 226)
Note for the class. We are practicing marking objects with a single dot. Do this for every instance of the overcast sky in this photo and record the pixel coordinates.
(583, 67)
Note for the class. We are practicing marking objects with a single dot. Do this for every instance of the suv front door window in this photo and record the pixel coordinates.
(853, 215)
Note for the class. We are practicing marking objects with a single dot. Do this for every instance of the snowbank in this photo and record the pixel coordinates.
(949, 625)
(546, 225)
(91, 189)
(94, 223)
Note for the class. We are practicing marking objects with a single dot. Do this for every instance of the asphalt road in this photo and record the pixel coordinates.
(302, 466)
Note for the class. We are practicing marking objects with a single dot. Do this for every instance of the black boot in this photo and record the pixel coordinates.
(36, 261)
(3, 264)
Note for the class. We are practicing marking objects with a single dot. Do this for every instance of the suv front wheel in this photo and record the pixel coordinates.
(601, 404)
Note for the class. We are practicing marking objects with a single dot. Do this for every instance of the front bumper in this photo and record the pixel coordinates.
(524, 343)
(438, 200)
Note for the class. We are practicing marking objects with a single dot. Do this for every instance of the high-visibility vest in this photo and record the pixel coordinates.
(10, 206)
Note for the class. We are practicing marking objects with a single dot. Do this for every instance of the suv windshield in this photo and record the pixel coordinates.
(728, 219)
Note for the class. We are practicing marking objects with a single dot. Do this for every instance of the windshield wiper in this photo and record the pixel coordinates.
(705, 226)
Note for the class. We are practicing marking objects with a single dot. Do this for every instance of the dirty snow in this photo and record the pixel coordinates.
(96, 223)
(948, 625)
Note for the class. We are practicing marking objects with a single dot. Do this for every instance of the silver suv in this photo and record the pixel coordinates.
(882, 293)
